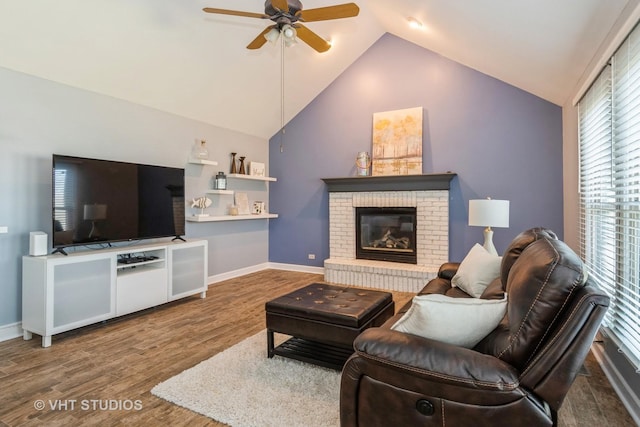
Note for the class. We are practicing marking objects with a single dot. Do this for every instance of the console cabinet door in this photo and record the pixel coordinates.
(82, 293)
(188, 264)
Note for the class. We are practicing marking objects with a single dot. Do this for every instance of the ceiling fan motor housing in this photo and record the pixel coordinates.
(283, 17)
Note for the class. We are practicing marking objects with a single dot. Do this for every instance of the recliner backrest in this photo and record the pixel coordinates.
(540, 282)
(517, 245)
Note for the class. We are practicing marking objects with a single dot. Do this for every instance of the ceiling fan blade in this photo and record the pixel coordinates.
(259, 41)
(346, 10)
(236, 13)
(311, 38)
(283, 5)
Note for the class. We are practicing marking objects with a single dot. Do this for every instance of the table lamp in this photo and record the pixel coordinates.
(489, 213)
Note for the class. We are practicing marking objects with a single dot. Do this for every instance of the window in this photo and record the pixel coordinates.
(609, 121)
(64, 194)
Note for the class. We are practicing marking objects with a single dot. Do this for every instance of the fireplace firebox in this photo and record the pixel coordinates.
(386, 234)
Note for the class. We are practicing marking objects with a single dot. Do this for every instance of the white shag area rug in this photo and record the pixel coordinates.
(241, 387)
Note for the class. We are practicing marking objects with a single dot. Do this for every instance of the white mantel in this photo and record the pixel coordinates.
(429, 194)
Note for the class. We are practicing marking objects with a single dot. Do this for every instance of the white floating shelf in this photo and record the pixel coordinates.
(203, 162)
(230, 192)
(251, 177)
(229, 217)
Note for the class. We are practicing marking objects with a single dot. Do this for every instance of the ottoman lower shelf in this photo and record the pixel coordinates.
(320, 354)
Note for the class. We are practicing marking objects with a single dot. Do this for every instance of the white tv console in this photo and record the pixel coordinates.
(60, 293)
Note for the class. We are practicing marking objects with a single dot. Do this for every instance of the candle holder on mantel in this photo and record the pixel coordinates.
(242, 170)
(234, 169)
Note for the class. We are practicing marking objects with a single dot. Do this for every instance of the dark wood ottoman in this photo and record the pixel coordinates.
(323, 321)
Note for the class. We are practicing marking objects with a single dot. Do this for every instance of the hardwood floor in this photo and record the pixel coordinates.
(104, 372)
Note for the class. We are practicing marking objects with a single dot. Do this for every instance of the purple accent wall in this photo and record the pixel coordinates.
(501, 141)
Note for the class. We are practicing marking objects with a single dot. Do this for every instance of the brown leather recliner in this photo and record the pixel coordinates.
(518, 375)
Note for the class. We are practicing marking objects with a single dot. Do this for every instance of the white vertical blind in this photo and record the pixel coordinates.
(609, 120)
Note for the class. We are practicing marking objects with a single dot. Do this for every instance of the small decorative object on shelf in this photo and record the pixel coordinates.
(242, 202)
(258, 208)
(201, 203)
(233, 210)
(234, 168)
(199, 150)
(256, 169)
(363, 163)
(220, 182)
(242, 170)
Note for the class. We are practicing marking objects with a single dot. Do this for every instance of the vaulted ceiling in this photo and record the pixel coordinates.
(171, 56)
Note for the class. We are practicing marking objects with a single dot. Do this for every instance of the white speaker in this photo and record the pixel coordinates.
(37, 243)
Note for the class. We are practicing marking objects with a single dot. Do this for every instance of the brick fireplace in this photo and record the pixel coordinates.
(428, 194)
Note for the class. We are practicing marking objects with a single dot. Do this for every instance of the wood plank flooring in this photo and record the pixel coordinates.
(118, 362)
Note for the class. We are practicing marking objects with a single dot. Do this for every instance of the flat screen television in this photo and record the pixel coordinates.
(103, 201)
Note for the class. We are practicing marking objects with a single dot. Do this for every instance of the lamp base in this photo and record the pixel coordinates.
(488, 241)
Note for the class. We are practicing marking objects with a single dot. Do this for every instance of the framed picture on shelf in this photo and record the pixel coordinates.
(258, 208)
(256, 169)
(242, 202)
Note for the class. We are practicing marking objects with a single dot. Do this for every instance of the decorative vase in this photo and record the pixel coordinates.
(199, 150)
(363, 163)
(234, 169)
(242, 170)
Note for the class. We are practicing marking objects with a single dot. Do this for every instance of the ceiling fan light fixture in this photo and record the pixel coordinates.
(288, 32)
(290, 42)
(272, 35)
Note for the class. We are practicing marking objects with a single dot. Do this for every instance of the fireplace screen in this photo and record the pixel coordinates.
(386, 234)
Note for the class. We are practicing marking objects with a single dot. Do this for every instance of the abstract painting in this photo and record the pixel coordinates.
(397, 142)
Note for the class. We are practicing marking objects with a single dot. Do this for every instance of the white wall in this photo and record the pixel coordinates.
(570, 176)
(39, 117)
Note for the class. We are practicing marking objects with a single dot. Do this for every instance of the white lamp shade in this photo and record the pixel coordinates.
(489, 213)
(272, 35)
(288, 31)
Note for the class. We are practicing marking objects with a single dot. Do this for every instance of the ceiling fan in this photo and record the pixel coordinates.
(288, 16)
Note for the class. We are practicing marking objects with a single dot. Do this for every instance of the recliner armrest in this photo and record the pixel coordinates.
(436, 361)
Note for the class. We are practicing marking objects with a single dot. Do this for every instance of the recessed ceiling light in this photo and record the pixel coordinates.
(414, 23)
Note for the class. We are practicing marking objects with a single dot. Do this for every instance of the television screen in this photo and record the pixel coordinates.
(102, 201)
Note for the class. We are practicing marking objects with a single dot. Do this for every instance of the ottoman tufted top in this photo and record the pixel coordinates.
(337, 305)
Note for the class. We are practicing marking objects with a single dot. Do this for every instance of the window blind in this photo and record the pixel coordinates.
(609, 141)
(626, 182)
(63, 198)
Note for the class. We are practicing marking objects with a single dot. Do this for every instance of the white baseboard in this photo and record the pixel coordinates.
(296, 267)
(618, 382)
(11, 331)
(237, 273)
(264, 266)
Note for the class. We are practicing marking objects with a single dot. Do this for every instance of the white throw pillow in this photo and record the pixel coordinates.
(476, 271)
(459, 321)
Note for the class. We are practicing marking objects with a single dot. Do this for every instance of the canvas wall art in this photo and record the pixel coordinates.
(397, 142)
